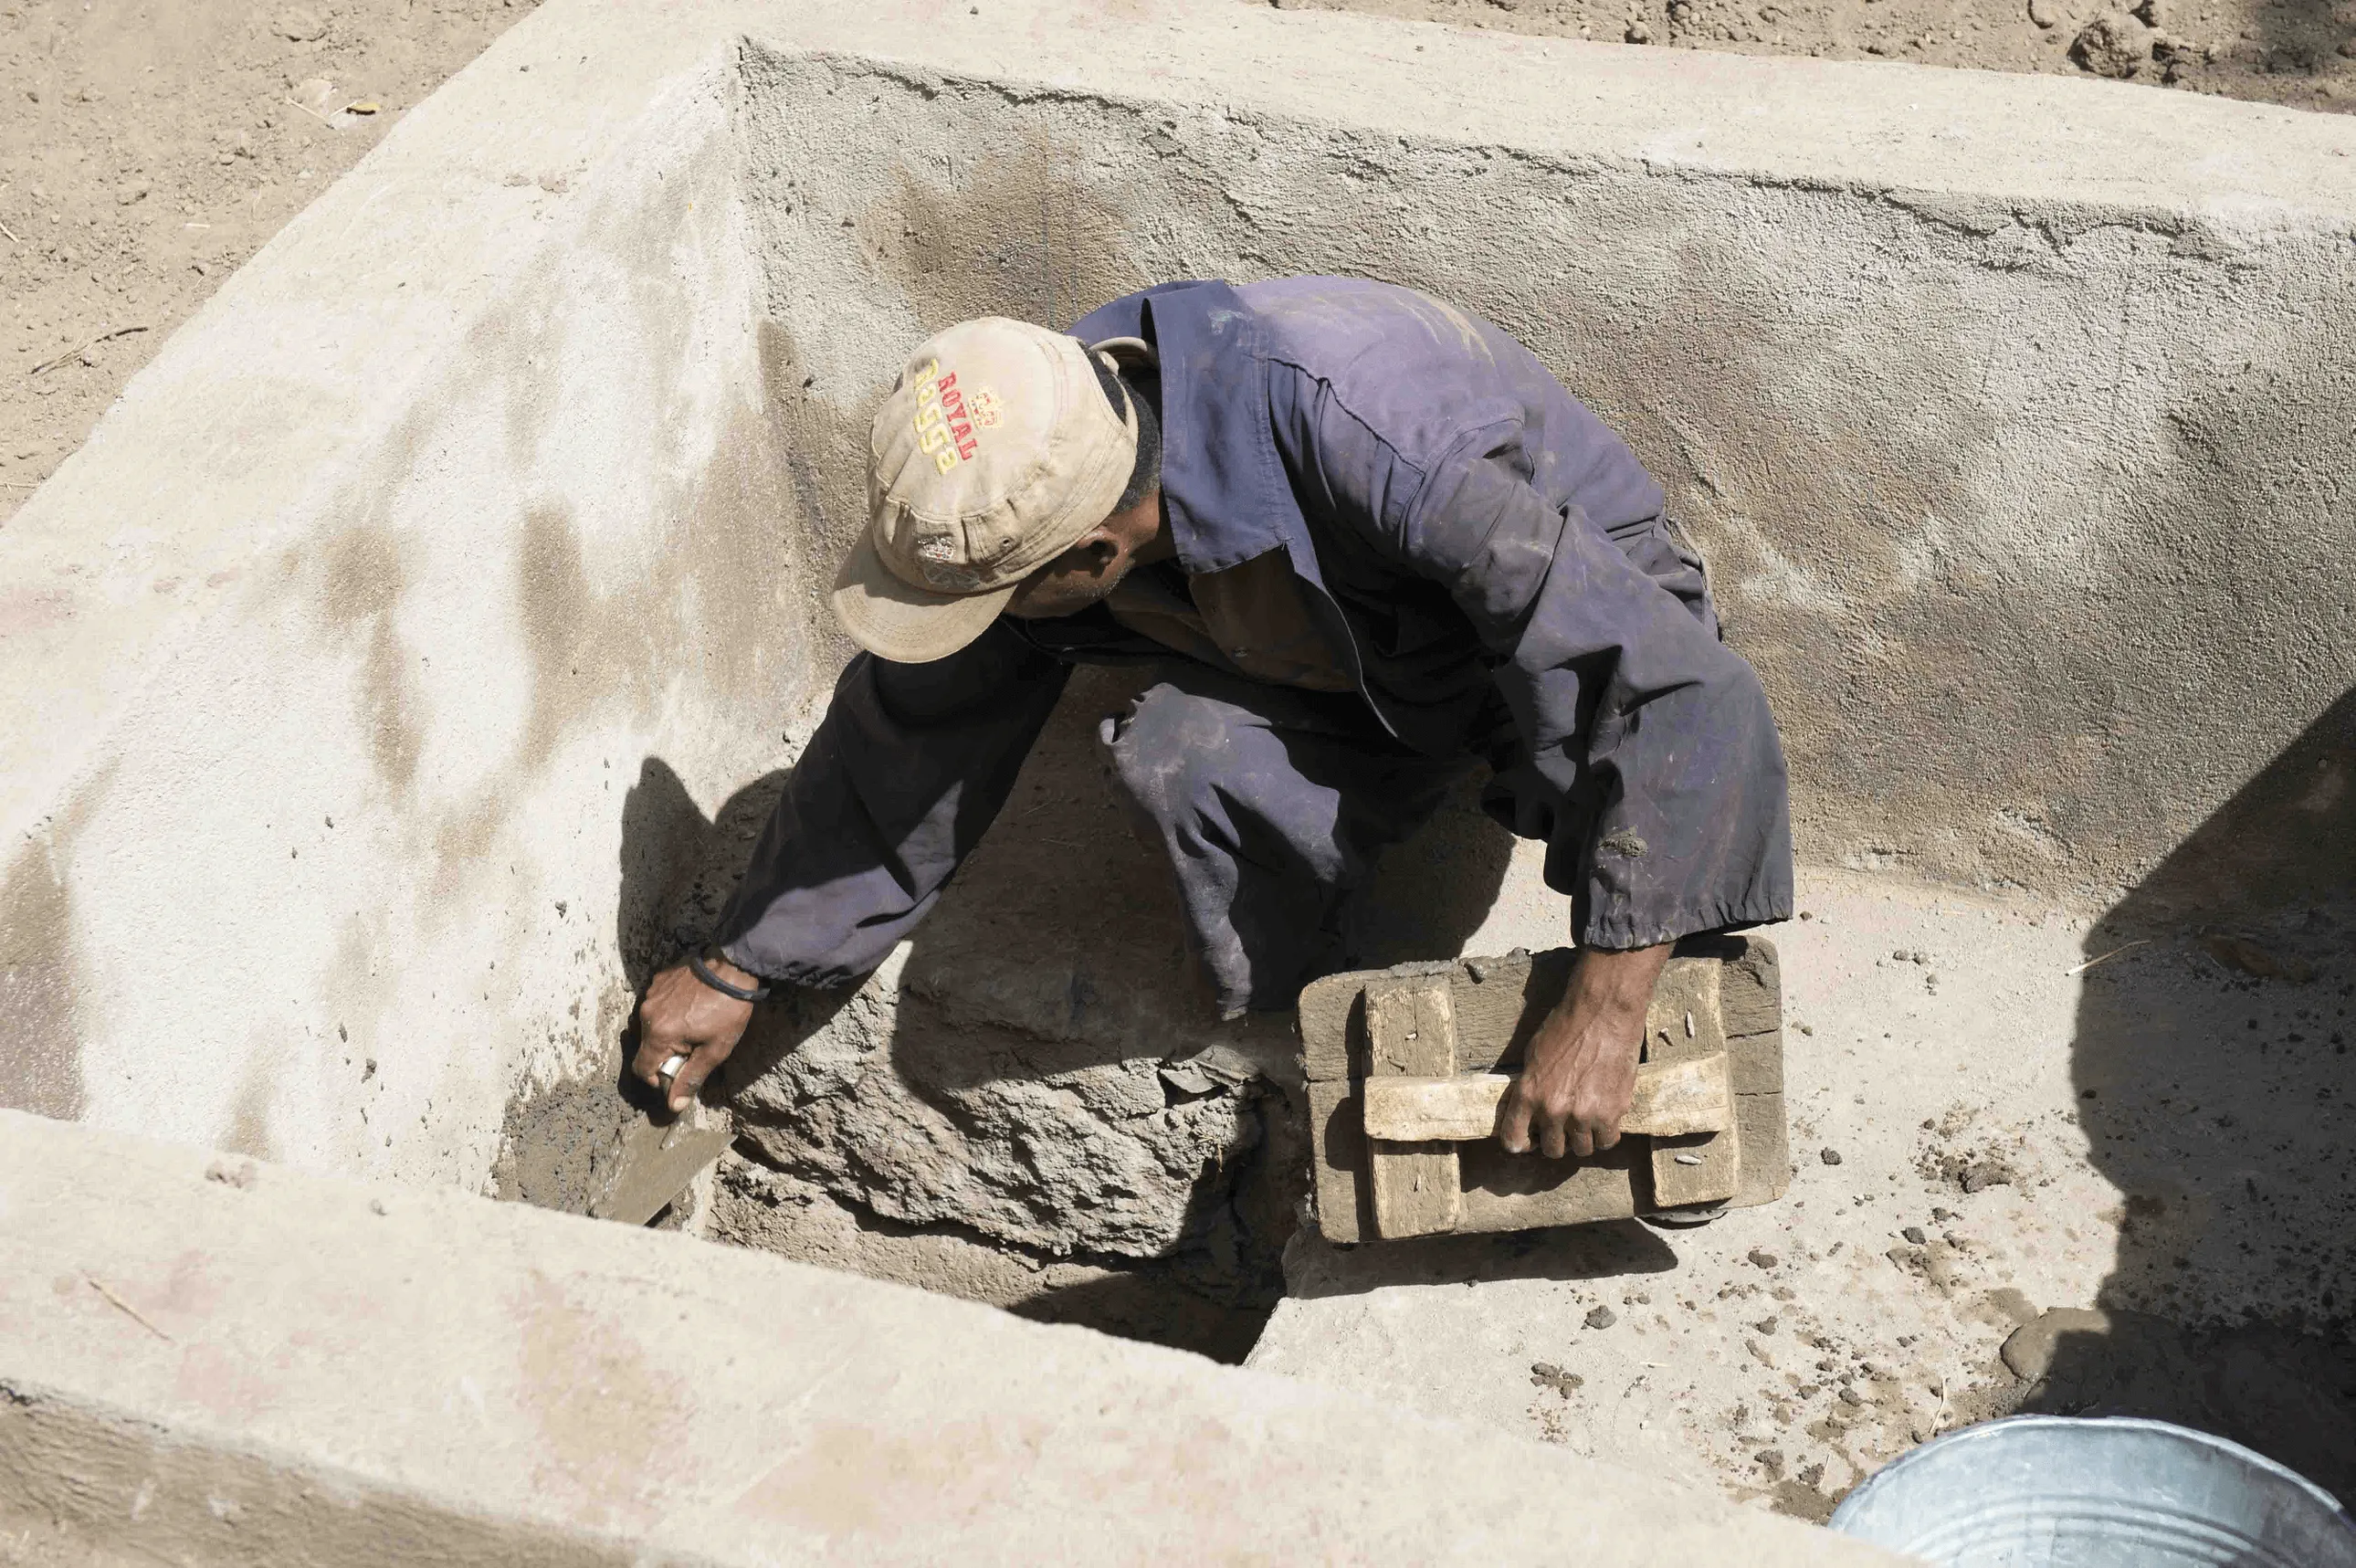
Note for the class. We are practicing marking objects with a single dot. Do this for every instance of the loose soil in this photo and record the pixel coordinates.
(2295, 52)
(147, 147)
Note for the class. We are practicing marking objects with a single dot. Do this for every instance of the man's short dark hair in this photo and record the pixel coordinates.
(1138, 389)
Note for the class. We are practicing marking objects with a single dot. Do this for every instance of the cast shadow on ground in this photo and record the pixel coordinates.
(2217, 1092)
(2302, 35)
(1108, 983)
(678, 868)
(1606, 1250)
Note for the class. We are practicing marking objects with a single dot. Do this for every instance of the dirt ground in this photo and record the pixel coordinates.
(2298, 52)
(147, 147)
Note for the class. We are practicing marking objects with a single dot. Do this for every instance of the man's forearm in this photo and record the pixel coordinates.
(1615, 984)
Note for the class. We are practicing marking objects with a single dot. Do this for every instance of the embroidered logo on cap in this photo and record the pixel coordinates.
(944, 428)
(983, 407)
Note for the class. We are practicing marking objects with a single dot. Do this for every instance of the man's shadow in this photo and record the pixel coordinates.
(2216, 1089)
(1058, 948)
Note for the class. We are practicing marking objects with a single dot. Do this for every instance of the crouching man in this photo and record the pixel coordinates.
(1369, 540)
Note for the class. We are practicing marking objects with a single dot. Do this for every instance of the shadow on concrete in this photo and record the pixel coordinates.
(1102, 978)
(1318, 1268)
(2216, 1091)
(677, 869)
(2300, 38)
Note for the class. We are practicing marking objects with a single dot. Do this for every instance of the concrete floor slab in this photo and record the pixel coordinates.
(2157, 1135)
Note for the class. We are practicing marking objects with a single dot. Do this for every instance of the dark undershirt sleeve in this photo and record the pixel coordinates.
(911, 764)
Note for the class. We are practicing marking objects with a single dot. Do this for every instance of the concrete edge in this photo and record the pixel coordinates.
(228, 1362)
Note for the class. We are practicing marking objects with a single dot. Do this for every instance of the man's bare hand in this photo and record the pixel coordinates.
(683, 1016)
(1578, 1076)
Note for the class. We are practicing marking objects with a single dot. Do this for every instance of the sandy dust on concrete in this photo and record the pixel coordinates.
(147, 147)
(2297, 52)
(2020, 1184)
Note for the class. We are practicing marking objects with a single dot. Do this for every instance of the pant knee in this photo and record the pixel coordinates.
(1167, 752)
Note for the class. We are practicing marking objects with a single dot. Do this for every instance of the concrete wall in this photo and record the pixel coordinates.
(181, 1342)
(2012, 411)
(482, 514)
(363, 672)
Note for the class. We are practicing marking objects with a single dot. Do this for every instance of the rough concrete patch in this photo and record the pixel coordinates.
(40, 970)
(358, 590)
(1104, 1158)
(560, 1147)
(1178, 1303)
(952, 244)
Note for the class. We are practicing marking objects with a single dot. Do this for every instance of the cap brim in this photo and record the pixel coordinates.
(896, 620)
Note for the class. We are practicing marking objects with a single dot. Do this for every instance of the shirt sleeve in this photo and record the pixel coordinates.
(911, 763)
(1651, 767)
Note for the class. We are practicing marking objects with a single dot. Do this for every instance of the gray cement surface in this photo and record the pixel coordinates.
(1988, 1148)
(208, 1361)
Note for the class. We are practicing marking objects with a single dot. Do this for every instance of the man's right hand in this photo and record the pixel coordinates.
(683, 1016)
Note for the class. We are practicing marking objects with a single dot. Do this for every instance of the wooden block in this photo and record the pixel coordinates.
(1673, 1100)
(1491, 1007)
(1411, 1029)
(1330, 1010)
(1522, 1192)
(1704, 1168)
(1766, 1155)
(1433, 1110)
(1338, 1164)
(1415, 1189)
(1499, 1004)
(1752, 990)
(1683, 1021)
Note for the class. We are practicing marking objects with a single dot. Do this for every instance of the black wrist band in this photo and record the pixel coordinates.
(696, 967)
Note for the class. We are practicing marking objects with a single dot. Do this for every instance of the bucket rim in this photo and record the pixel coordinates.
(1855, 1503)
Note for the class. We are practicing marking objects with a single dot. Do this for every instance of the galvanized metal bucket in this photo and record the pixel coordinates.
(2053, 1492)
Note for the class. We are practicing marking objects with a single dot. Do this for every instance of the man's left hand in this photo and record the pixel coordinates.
(1579, 1076)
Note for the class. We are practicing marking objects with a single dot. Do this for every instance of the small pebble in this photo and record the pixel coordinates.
(1850, 1396)
(1762, 1259)
(1638, 33)
(1603, 1318)
(1830, 1156)
(1914, 1233)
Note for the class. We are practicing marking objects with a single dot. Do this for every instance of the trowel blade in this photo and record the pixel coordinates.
(658, 1164)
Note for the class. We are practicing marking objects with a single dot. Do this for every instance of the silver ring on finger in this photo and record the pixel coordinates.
(669, 1069)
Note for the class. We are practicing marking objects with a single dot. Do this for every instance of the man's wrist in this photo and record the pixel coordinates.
(1617, 981)
(715, 969)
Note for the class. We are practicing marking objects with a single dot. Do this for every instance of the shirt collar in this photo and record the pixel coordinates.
(1223, 485)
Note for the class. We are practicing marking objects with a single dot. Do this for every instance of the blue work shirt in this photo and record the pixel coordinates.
(1490, 561)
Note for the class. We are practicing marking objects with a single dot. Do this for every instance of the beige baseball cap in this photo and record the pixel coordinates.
(995, 453)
